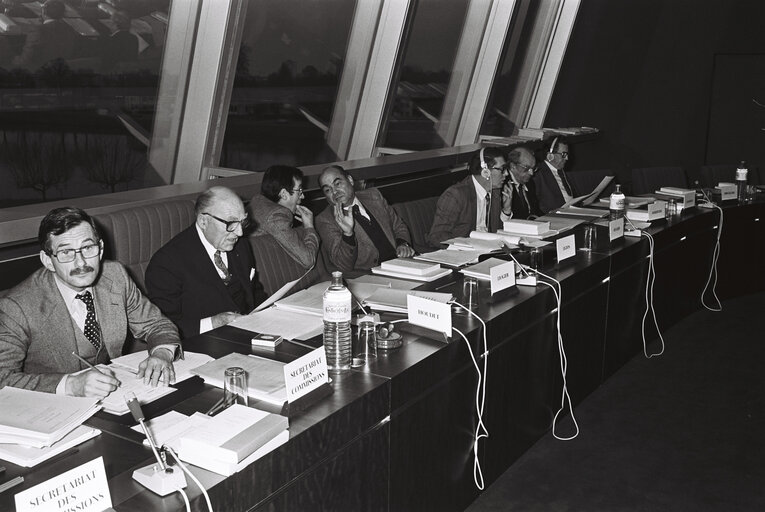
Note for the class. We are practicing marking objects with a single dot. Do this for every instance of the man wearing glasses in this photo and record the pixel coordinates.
(519, 200)
(277, 208)
(473, 204)
(205, 277)
(76, 312)
(553, 187)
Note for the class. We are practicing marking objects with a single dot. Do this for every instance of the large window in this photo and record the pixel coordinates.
(78, 87)
(287, 75)
(417, 99)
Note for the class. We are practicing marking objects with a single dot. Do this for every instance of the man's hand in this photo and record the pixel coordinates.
(507, 198)
(224, 318)
(157, 366)
(92, 383)
(305, 215)
(404, 251)
(344, 219)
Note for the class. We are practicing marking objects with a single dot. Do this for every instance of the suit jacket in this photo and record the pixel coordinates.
(548, 192)
(51, 40)
(276, 220)
(38, 335)
(456, 213)
(520, 209)
(183, 282)
(362, 255)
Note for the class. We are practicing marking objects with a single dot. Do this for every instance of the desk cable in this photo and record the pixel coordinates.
(196, 480)
(649, 282)
(557, 290)
(715, 256)
(480, 396)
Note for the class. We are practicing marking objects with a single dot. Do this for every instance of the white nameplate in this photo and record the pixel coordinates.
(430, 314)
(615, 229)
(306, 373)
(83, 489)
(502, 277)
(566, 247)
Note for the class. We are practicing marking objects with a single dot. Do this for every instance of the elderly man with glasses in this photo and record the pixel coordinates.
(551, 182)
(205, 277)
(276, 209)
(519, 200)
(473, 204)
(75, 312)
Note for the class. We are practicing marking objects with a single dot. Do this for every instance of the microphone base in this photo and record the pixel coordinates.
(158, 481)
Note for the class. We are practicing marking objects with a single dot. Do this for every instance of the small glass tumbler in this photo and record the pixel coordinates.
(470, 293)
(590, 238)
(751, 193)
(670, 209)
(365, 345)
(536, 258)
(235, 386)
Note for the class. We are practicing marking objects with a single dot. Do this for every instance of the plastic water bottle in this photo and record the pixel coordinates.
(617, 203)
(337, 324)
(741, 178)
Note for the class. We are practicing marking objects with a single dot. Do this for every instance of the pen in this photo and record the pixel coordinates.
(87, 363)
(13, 482)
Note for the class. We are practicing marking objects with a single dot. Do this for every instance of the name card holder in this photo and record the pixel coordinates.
(502, 282)
(307, 381)
(428, 318)
(565, 248)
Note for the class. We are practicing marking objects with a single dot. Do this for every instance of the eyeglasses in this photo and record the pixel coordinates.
(67, 255)
(502, 169)
(529, 168)
(231, 225)
(298, 190)
(563, 154)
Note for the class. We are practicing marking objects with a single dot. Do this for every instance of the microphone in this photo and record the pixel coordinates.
(158, 478)
(527, 279)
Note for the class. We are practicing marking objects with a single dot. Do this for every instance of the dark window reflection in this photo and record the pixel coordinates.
(418, 99)
(287, 76)
(78, 86)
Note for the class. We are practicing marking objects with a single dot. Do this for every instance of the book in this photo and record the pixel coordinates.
(410, 266)
(40, 419)
(309, 301)
(439, 273)
(576, 211)
(394, 301)
(30, 456)
(265, 377)
(228, 468)
(561, 224)
(233, 434)
(685, 195)
(482, 270)
(525, 237)
(648, 212)
(526, 227)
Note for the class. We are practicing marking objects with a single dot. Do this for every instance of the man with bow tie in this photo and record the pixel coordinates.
(359, 230)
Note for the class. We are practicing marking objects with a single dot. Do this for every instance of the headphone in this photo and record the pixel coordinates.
(552, 146)
(484, 167)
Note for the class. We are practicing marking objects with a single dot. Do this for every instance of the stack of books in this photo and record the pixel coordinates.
(407, 268)
(685, 197)
(265, 377)
(394, 301)
(482, 271)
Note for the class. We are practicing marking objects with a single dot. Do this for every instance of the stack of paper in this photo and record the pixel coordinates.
(39, 419)
(115, 403)
(482, 270)
(561, 224)
(451, 257)
(575, 211)
(265, 377)
(427, 277)
(29, 456)
(309, 301)
(387, 299)
(363, 286)
(526, 227)
(409, 266)
(182, 367)
(290, 325)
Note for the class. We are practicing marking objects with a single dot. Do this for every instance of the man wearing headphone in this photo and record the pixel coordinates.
(553, 187)
(473, 204)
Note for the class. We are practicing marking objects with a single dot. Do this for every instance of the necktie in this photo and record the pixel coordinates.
(92, 329)
(487, 214)
(566, 184)
(375, 233)
(222, 267)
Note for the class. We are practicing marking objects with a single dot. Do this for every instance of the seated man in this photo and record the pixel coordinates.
(78, 307)
(204, 277)
(474, 203)
(358, 230)
(274, 209)
(519, 200)
(553, 187)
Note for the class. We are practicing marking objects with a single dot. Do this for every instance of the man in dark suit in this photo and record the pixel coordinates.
(552, 186)
(78, 304)
(52, 39)
(519, 200)
(205, 277)
(474, 203)
(358, 230)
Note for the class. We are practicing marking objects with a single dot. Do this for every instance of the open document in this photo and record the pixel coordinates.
(590, 198)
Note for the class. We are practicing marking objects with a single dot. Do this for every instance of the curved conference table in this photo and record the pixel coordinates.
(398, 435)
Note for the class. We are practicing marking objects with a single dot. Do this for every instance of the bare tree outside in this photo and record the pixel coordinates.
(109, 161)
(37, 161)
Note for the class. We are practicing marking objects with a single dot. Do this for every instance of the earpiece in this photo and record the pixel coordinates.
(485, 172)
(552, 146)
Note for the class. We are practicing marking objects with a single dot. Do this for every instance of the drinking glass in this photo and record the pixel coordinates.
(235, 386)
(365, 345)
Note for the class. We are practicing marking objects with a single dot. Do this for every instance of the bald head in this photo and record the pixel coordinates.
(337, 185)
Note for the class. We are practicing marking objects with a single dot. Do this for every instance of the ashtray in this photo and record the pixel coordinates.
(392, 340)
